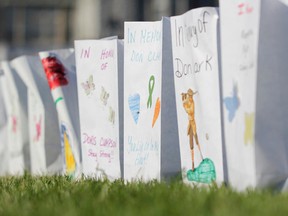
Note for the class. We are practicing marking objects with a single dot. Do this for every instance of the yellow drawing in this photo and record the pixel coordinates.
(69, 158)
(249, 128)
(188, 104)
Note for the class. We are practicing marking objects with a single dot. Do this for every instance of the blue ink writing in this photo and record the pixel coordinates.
(154, 56)
(150, 36)
(136, 56)
(131, 36)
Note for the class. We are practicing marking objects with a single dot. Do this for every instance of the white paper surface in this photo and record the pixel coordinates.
(36, 112)
(18, 134)
(195, 63)
(239, 44)
(284, 2)
(42, 116)
(142, 99)
(4, 151)
(97, 84)
(14, 133)
(60, 70)
(20, 101)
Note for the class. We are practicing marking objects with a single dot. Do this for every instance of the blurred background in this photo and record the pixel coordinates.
(29, 26)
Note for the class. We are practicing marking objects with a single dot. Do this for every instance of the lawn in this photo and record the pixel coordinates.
(58, 195)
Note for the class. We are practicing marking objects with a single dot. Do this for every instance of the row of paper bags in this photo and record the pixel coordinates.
(176, 96)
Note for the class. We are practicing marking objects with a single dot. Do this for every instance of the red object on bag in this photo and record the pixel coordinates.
(55, 72)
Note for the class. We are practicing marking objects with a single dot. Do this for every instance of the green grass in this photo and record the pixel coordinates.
(62, 196)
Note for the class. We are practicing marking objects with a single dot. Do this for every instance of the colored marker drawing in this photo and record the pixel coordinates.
(104, 96)
(150, 89)
(58, 100)
(14, 124)
(134, 106)
(188, 104)
(111, 117)
(205, 172)
(88, 85)
(156, 111)
(70, 164)
(232, 104)
(249, 128)
(38, 129)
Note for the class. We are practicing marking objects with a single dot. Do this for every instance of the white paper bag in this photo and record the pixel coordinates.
(60, 70)
(239, 47)
(254, 62)
(142, 100)
(4, 151)
(271, 119)
(43, 131)
(17, 91)
(151, 149)
(14, 134)
(97, 82)
(196, 76)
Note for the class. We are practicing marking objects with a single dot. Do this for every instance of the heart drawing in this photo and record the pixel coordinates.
(134, 106)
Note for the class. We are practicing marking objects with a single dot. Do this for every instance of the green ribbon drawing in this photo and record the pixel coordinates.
(57, 100)
(151, 88)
